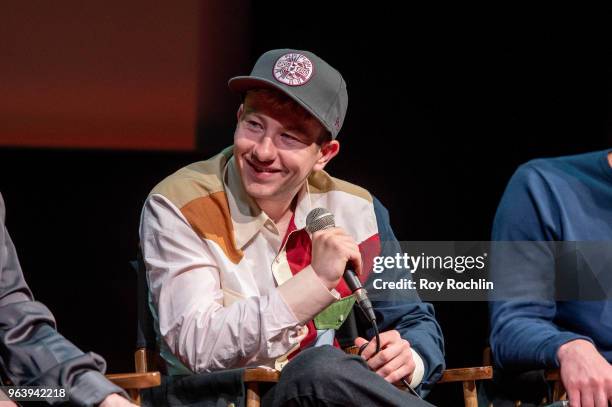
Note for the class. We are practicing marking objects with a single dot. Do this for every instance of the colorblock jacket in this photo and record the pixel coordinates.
(227, 290)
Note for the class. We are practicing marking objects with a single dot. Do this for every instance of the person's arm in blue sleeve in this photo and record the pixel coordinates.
(414, 319)
(523, 334)
(32, 352)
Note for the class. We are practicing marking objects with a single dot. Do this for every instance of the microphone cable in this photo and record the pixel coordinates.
(320, 219)
(377, 339)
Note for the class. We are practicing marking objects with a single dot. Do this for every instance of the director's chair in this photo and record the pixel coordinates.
(551, 376)
(147, 357)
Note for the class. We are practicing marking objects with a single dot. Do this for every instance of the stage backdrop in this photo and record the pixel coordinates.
(99, 74)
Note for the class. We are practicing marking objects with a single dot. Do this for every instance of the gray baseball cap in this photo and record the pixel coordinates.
(305, 78)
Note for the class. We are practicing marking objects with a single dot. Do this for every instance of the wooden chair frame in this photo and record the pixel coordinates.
(254, 376)
(145, 358)
(134, 382)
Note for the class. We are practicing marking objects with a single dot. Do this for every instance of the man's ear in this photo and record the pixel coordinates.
(240, 112)
(329, 150)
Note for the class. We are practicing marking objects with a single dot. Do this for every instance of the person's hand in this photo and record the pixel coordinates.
(7, 403)
(115, 400)
(394, 361)
(331, 249)
(586, 375)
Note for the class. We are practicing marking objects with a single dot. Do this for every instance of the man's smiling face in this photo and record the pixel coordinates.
(276, 146)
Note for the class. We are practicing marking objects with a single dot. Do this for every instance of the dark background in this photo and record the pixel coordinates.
(444, 105)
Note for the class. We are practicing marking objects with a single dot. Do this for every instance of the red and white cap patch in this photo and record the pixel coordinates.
(293, 69)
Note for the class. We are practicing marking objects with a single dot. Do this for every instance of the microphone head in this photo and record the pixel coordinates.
(319, 219)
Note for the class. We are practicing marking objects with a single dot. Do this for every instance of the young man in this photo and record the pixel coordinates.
(33, 353)
(237, 281)
(567, 203)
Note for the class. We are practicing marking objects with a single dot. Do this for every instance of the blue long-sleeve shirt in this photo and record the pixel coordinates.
(558, 199)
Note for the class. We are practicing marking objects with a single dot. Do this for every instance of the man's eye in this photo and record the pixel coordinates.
(253, 123)
(291, 138)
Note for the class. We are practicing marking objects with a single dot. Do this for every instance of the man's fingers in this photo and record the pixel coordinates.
(402, 362)
(383, 357)
(357, 262)
(586, 375)
(399, 374)
(335, 231)
(394, 361)
(350, 250)
(389, 353)
(344, 243)
(359, 341)
(391, 345)
(586, 399)
(601, 400)
(386, 338)
(368, 351)
(399, 349)
(355, 259)
(573, 396)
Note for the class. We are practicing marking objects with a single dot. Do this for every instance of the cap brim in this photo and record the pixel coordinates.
(241, 84)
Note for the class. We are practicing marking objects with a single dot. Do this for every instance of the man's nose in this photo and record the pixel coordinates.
(265, 150)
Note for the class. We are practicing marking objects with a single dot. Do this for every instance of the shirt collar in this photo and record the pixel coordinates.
(247, 217)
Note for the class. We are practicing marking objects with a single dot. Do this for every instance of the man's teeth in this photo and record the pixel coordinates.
(262, 169)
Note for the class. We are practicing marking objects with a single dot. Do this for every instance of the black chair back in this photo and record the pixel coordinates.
(145, 331)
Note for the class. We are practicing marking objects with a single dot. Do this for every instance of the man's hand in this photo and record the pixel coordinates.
(331, 249)
(115, 400)
(586, 375)
(394, 361)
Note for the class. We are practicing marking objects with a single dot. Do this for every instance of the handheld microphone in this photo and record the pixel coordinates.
(320, 219)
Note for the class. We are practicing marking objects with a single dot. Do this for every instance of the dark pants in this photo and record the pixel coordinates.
(218, 389)
(326, 376)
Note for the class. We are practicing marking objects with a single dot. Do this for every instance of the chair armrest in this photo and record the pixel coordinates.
(466, 373)
(260, 374)
(135, 380)
(552, 375)
(452, 375)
